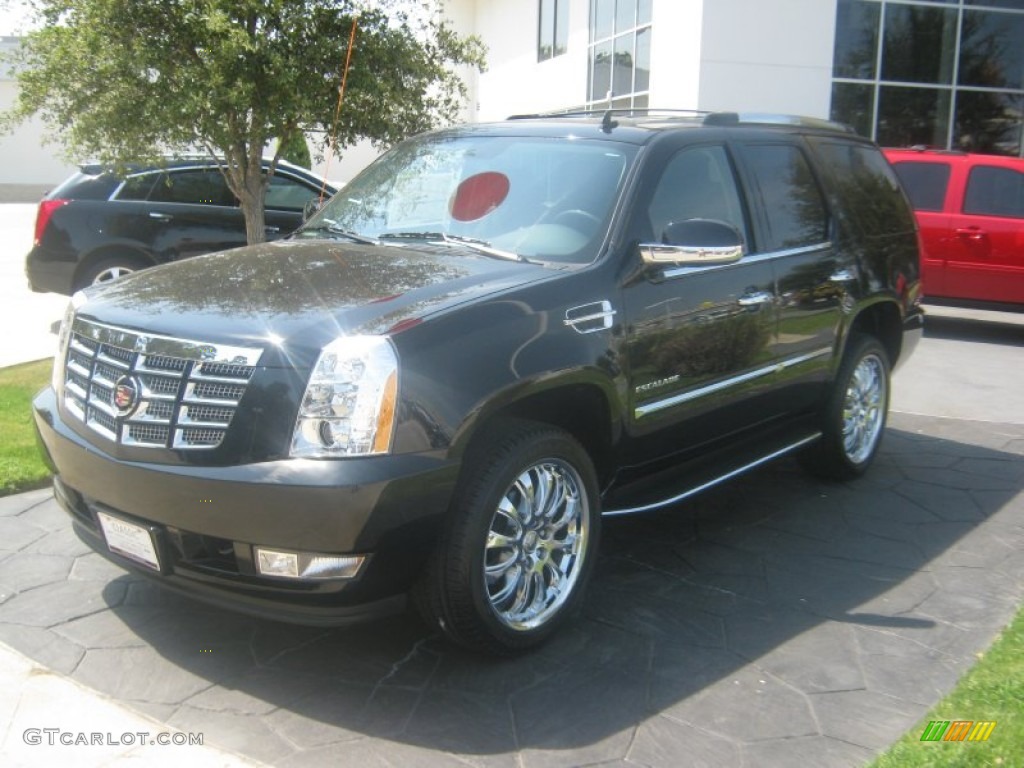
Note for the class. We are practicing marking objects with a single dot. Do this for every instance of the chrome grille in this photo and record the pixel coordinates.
(206, 390)
(208, 413)
(181, 394)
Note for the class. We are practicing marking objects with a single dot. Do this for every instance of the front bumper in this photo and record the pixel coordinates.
(206, 521)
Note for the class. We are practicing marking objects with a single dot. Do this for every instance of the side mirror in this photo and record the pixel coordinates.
(312, 205)
(695, 242)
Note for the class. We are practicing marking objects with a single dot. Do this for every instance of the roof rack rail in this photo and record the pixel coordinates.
(602, 112)
(768, 118)
(934, 150)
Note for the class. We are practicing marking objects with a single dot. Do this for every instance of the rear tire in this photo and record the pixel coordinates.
(855, 414)
(520, 544)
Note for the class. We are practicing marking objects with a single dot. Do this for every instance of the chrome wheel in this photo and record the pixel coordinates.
(864, 408)
(109, 274)
(535, 546)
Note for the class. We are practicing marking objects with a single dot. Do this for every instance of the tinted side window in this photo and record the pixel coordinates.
(138, 187)
(995, 192)
(205, 187)
(697, 183)
(795, 211)
(867, 186)
(83, 186)
(287, 194)
(925, 183)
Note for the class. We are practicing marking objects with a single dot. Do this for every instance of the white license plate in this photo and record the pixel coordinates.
(130, 540)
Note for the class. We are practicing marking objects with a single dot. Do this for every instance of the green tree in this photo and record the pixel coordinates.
(295, 150)
(127, 80)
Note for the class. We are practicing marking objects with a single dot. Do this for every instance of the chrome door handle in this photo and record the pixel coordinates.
(976, 234)
(271, 230)
(160, 216)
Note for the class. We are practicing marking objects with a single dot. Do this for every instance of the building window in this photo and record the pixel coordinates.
(946, 73)
(552, 28)
(619, 73)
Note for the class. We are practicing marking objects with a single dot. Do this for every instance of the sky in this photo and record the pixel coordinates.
(13, 17)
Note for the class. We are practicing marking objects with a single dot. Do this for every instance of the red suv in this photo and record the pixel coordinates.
(970, 210)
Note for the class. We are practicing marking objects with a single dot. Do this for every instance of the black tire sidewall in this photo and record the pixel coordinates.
(486, 486)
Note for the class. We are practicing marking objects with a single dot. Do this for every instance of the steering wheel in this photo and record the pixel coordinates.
(590, 221)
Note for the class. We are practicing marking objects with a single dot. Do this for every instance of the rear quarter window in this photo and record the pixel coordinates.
(84, 186)
(926, 183)
(868, 188)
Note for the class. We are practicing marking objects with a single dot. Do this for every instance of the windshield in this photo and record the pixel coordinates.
(537, 198)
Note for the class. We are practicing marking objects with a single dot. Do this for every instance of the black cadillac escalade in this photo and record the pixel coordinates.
(494, 336)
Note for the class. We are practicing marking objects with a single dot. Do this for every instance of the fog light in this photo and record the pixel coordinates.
(306, 565)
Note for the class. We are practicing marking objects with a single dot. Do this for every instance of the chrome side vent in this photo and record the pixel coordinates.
(590, 318)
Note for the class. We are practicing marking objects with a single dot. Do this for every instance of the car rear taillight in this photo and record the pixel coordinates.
(46, 209)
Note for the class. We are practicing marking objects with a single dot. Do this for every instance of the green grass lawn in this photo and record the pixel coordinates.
(21, 468)
(993, 690)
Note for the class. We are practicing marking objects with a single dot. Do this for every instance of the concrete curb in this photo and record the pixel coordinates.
(49, 718)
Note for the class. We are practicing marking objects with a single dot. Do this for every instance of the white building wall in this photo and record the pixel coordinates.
(766, 56)
(28, 157)
(515, 82)
(676, 47)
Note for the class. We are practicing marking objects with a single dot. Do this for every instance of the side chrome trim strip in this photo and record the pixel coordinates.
(749, 259)
(712, 483)
(693, 394)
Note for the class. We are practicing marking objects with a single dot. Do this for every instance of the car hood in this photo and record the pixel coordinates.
(301, 294)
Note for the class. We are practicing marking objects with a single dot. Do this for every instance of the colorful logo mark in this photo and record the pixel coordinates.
(958, 730)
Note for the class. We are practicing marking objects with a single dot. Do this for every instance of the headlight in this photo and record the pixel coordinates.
(348, 408)
(63, 336)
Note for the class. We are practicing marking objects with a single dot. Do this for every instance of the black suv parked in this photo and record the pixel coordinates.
(98, 226)
(492, 337)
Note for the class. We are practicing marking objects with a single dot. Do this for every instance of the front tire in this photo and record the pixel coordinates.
(520, 545)
(855, 415)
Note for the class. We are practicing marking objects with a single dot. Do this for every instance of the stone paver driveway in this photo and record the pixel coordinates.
(774, 621)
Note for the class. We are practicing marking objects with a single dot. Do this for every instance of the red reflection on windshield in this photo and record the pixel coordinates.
(479, 195)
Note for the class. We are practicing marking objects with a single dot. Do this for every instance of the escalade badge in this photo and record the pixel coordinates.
(126, 395)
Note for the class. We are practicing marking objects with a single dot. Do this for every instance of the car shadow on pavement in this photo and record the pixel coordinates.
(984, 330)
(775, 610)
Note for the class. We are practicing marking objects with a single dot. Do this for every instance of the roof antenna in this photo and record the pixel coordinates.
(607, 123)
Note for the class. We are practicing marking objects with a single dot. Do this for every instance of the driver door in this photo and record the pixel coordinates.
(696, 335)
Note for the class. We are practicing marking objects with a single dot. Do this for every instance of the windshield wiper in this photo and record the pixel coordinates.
(332, 228)
(474, 244)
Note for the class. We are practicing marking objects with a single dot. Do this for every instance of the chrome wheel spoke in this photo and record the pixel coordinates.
(534, 545)
(863, 409)
(508, 588)
(498, 569)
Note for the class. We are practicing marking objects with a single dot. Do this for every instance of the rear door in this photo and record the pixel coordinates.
(794, 226)
(927, 183)
(986, 258)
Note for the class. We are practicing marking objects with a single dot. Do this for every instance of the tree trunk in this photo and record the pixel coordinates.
(251, 201)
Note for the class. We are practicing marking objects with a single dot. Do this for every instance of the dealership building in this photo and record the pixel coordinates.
(942, 73)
